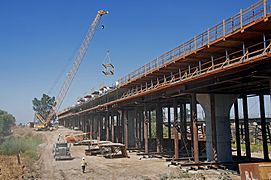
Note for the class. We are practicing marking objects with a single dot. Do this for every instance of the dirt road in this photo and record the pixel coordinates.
(98, 167)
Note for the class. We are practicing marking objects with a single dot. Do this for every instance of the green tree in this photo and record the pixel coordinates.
(43, 105)
(6, 122)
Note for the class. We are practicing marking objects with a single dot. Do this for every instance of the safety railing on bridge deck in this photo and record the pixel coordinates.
(252, 53)
(246, 16)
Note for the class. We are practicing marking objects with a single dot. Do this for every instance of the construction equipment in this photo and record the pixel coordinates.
(70, 76)
(61, 151)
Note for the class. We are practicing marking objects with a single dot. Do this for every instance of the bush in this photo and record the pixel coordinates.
(27, 146)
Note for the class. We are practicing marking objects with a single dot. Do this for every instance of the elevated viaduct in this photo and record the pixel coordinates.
(154, 108)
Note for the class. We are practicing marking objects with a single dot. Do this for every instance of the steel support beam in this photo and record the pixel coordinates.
(90, 127)
(99, 127)
(195, 127)
(146, 123)
(136, 129)
(113, 128)
(246, 125)
(175, 131)
(126, 128)
(107, 125)
(150, 123)
(118, 128)
(169, 130)
(159, 128)
(263, 126)
(237, 129)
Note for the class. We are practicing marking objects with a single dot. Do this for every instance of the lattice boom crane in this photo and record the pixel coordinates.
(77, 61)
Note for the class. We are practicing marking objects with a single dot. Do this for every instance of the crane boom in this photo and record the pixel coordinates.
(77, 61)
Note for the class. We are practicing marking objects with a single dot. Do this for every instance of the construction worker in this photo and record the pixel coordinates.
(83, 164)
(59, 135)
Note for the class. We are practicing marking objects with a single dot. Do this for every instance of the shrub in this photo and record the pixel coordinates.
(27, 146)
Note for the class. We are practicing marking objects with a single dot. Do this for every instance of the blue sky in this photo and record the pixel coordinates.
(38, 39)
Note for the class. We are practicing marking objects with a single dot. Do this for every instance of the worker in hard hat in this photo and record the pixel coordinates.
(83, 164)
(59, 135)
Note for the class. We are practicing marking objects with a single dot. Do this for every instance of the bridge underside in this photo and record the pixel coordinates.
(156, 109)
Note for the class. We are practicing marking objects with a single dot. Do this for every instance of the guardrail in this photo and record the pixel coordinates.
(251, 53)
(246, 16)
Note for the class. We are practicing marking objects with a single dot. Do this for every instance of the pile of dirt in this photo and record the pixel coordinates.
(10, 169)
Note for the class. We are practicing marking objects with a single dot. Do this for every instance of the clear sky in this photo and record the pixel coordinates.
(38, 39)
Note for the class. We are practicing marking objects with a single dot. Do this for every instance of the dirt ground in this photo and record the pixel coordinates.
(102, 168)
(9, 168)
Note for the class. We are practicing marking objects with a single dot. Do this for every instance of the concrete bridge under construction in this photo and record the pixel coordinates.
(154, 108)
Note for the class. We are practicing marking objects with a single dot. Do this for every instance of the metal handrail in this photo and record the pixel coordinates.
(255, 12)
(194, 71)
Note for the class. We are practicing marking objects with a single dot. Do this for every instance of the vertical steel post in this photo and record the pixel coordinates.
(241, 18)
(185, 122)
(169, 129)
(244, 48)
(264, 8)
(175, 131)
(195, 128)
(246, 124)
(213, 65)
(146, 123)
(150, 123)
(264, 41)
(113, 128)
(159, 128)
(107, 125)
(99, 127)
(125, 114)
(263, 126)
(122, 127)
(224, 28)
(90, 127)
(136, 128)
(139, 127)
(237, 129)
(118, 127)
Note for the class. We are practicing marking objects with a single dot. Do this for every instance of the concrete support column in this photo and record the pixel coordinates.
(237, 129)
(195, 127)
(159, 128)
(222, 104)
(213, 125)
(146, 123)
(246, 126)
(175, 131)
(263, 126)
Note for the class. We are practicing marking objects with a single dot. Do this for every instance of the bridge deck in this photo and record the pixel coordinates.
(231, 57)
